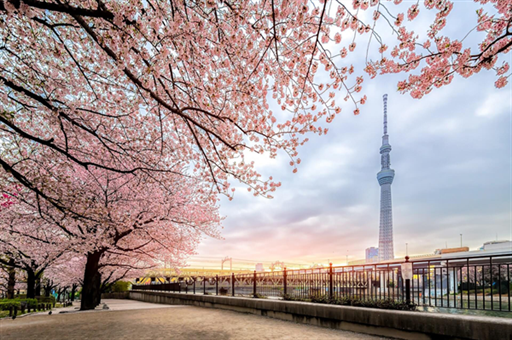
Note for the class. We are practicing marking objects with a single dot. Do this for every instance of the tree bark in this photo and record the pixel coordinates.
(31, 284)
(73, 291)
(91, 289)
(37, 290)
(11, 281)
(47, 289)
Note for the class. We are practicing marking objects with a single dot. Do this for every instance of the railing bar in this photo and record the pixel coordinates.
(490, 283)
(435, 286)
(469, 285)
(412, 286)
(448, 282)
(492, 299)
(460, 289)
(499, 284)
(508, 288)
(454, 288)
(483, 279)
(387, 282)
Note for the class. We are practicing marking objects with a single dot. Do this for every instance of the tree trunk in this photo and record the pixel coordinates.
(38, 286)
(11, 281)
(98, 297)
(47, 290)
(31, 284)
(91, 290)
(73, 290)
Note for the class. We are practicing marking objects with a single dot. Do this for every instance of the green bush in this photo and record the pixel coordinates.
(46, 299)
(31, 302)
(319, 299)
(357, 302)
(120, 286)
(6, 304)
(259, 296)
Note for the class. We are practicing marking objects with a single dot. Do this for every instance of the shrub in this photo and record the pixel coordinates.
(28, 303)
(46, 299)
(319, 299)
(356, 302)
(259, 296)
(7, 304)
(120, 286)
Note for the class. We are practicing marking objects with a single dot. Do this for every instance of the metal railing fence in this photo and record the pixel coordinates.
(481, 283)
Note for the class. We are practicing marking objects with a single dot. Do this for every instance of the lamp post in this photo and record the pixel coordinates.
(461, 240)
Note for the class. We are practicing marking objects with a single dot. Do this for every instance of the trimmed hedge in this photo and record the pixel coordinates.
(346, 301)
(6, 304)
(46, 299)
(22, 304)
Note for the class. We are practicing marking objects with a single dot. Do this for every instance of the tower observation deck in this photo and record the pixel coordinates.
(385, 178)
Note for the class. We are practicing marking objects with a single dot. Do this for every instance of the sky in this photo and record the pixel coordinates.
(452, 160)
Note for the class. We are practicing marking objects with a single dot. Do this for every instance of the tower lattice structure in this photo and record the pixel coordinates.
(385, 178)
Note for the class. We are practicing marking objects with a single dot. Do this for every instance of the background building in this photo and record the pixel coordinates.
(372, 255)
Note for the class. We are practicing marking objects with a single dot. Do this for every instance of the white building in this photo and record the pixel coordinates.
(497, 245)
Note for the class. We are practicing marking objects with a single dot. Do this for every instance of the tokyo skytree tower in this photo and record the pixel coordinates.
(385, 178)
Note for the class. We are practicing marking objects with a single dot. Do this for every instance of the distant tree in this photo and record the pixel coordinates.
(29, 244)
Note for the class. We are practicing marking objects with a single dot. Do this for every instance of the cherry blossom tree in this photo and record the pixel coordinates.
(120, 85)
(129, 222)
(8, 278)
(165, 79)
(28, 245)
(143, 222)
(68, 273)
(434, 59)
(124, 119)
(149, 103)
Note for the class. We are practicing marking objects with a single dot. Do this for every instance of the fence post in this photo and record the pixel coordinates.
(216, 284)
(232, 284)
(407, 287)
(254, 285)
(285, 286)
(204, 286)
(194, 284)
(330, 280)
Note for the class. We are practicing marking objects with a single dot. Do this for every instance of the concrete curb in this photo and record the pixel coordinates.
(390, 323)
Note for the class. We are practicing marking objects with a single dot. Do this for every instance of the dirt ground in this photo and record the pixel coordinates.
(137, 320)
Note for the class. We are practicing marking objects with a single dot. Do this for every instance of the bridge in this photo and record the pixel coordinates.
(472, 282)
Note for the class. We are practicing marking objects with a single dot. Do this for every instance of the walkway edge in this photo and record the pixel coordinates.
(389, 323)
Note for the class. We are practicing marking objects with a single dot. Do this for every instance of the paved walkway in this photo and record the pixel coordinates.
(128, 319)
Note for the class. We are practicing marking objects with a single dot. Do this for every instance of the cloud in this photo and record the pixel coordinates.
(451, 153)
(493, 105)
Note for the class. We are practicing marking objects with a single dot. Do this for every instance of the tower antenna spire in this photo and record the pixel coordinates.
(385, 178)
(385, 99)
